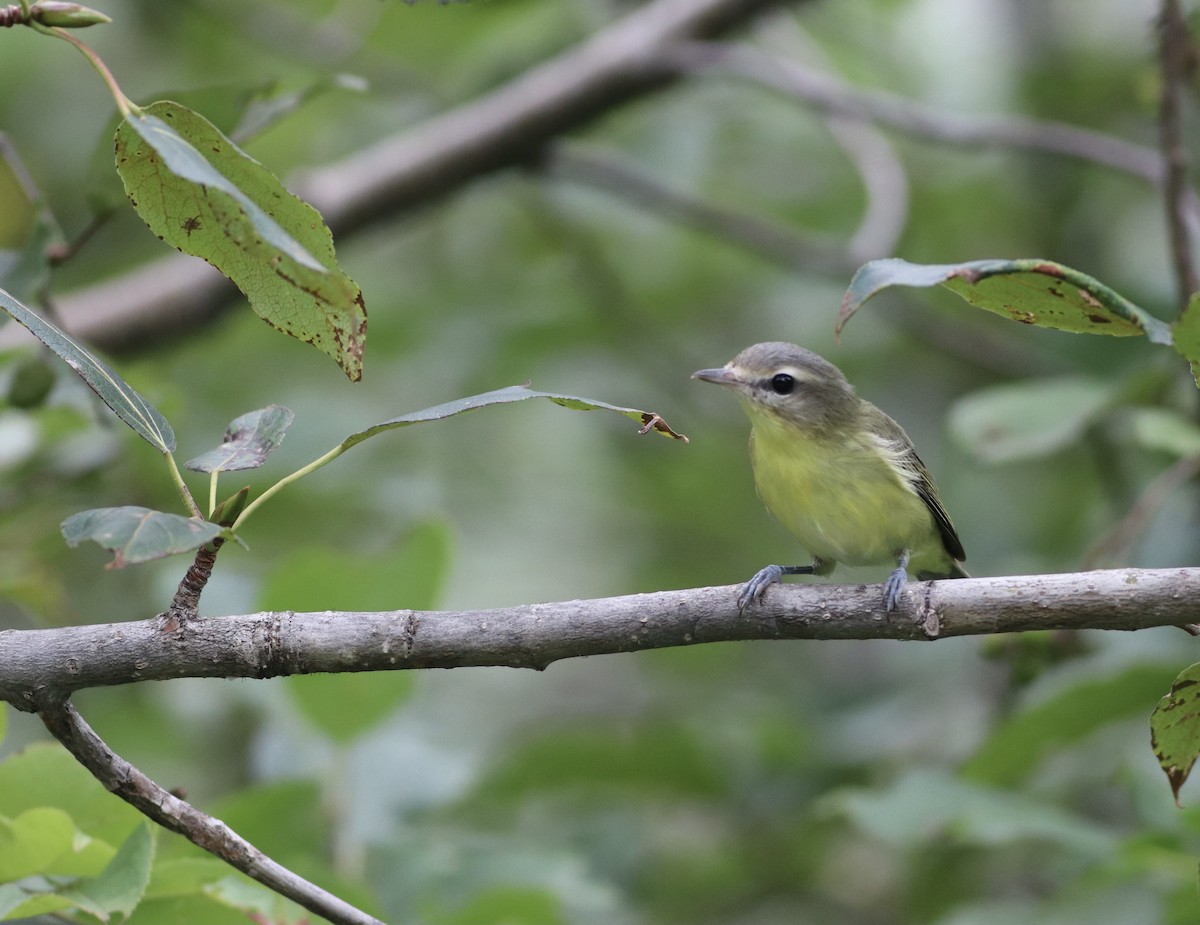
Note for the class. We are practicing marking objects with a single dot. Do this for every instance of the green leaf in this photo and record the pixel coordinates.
(1175, 728)
(1027, 419)
(344, 706)
(138, 534)
(120, 886)
(513, 393)
(44, 774)
(249, 440)
(32, 841)
(923, 805)
(1016, 746)
(1186, 333)
(200, 193)
(101, 378)
(28, 229)
(503, 904)
(265, 110)
(1029, 291)
(3, 720)
(1169, 431)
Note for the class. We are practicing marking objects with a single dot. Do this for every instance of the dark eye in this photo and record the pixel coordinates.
(783, 384)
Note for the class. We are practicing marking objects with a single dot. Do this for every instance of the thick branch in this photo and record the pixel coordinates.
(41, 667)
(506, 127)
(135, 788)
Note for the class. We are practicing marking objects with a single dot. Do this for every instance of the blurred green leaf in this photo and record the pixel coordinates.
(193, 909)
(265, 109)
(32, 379)
(101, 378)
(1162, 429)
(1027, 419)
(248, 441)
(1016, 746)
(651, 760)
(138, 534)
(3, 720)
(513, 393)
(923, 804)
(32, 841)
(510, 905)
(28, 229)
(1029, 291)
(200, 193)
(44, 774)
(120, 886)
(284, 819)
(1186, 334)
(1175, 728)
(343, 706)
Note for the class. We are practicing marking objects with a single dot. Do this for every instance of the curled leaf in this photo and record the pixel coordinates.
(648, 420)
(1029, 291)
(248, 441)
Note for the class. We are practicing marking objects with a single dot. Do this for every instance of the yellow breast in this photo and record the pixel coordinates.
(840, 496)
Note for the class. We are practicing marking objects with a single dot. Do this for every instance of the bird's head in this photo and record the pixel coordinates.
(784, 383)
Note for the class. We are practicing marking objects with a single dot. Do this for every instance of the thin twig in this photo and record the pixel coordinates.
(1117, 541)
(169, 811)
(587, 165)
(866, 147)
(913, 118)
(1175, 52)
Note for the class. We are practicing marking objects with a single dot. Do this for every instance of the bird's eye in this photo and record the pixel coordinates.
(783, 384)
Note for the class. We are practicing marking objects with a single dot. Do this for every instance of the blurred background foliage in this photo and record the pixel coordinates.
(975, 782)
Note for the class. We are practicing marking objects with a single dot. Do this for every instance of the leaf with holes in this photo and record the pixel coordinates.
(114, 391)
(200, 193)
(1175, 728)
(248, 441)
(1030, 291)
(138, 534)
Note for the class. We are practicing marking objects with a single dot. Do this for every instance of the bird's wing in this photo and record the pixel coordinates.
(928, 493)
(922, 483)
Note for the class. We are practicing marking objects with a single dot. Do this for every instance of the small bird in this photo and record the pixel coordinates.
(840, 474)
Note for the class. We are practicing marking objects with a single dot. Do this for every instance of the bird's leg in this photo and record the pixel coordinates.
(896, 581)
(757, 586)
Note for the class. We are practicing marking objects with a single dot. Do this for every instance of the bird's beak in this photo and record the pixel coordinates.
(722, 376)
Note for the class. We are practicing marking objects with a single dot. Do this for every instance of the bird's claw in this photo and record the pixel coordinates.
(757, 586)
(894, 588)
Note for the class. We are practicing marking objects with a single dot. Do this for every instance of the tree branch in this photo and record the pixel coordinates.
(43, 667)
(838, 97)
(503, 128)
(135, 788)
(1176, 53)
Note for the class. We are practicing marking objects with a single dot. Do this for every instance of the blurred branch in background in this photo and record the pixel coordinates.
(513, 125)
(586, 165)
(1178, 63)
(504, 128)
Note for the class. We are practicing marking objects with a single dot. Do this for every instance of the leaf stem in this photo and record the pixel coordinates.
(126, 106)
(212, 491)
(181, 485)
(288, 479)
